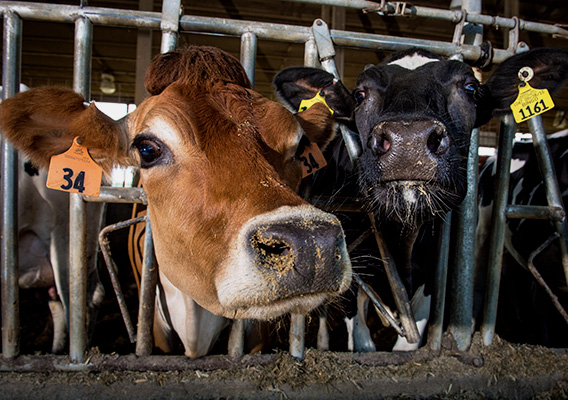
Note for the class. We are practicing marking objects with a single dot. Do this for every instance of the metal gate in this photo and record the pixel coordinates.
(169, 22)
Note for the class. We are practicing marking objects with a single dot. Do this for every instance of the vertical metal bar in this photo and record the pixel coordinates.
(497, 234)
(170, 24)
(237, 339)
(148, 281)
(297, 334)
(436, 324)
(464, 263)
(553, 194)
(248, 54)
(78, 208)
(11, 62)
(311, 53)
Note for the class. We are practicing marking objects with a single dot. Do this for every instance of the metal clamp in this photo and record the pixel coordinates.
(397, 8)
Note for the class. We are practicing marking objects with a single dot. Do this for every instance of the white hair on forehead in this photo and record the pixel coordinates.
(413, 61)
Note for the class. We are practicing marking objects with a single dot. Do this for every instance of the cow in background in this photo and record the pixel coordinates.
(526, 312)
(219, 164)
(43, 251)
(414, 114)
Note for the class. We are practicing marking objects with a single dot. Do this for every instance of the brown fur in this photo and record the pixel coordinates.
(231, 154)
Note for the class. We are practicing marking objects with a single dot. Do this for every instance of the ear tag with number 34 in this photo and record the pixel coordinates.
(75, 171)
(530, 101)
(312, 159)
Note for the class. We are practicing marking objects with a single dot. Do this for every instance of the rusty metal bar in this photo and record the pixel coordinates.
(11, 65)
(112, 270)
(148, 282)
(398, 290)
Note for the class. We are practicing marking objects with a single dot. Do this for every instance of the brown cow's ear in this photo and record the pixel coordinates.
(318, 124)
(43, 122)
(301, 83)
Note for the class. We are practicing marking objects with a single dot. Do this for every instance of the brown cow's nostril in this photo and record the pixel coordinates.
(438, 141)
(273, 253)
(379, 144)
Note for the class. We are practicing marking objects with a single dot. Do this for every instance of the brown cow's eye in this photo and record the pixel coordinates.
(151, 151)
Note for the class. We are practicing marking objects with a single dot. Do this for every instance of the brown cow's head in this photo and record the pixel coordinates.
(219, 166)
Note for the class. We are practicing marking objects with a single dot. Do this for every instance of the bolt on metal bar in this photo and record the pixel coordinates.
(497, 233)
(148, 282)
(553, 193)
(78, 208)
(464, 262)
(11, 64)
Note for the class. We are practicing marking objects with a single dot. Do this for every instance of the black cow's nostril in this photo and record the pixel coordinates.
(272, 251)
(438, 141)
(379, 144)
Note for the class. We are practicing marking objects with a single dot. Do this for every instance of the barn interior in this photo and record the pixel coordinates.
(120, 55)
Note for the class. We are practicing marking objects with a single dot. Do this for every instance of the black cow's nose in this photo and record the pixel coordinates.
(437, 141)
(416, 137)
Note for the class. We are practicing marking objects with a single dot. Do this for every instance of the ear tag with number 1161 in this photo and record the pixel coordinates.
(530, 101)
(75, 171)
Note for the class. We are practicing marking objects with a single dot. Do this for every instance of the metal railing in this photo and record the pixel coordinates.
(169, 22)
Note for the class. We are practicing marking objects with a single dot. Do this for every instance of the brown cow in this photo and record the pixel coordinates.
(219, 165)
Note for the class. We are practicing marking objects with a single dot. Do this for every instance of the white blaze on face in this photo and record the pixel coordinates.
(413, 61)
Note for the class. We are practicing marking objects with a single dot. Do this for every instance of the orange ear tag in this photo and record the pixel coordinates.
(312, 159)
(75, 171)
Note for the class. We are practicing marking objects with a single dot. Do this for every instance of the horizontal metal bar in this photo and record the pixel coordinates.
(535, 212)
(110, 194)
(269, 31)
(447, 15)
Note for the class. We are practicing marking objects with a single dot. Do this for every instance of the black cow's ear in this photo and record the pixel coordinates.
(302, 83)
(550, 68)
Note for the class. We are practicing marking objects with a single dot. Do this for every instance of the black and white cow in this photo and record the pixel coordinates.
(414, 114)
(526, 312)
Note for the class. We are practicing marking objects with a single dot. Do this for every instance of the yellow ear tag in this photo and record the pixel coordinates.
(531, 102)
(75, 171)
(318, 98)
(312, 159)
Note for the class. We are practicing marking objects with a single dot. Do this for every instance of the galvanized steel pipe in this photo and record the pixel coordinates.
(461, 310)
(78, 208)
(553, 193)
(11, 62)
(248, 54)
(169, 24)
(498, 222)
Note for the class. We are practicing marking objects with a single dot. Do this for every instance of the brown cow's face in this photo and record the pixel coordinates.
(228, 229)
(218, 165)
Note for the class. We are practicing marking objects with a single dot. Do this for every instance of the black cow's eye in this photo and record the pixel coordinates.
(359, 96)
(151, 151)
(471, 87)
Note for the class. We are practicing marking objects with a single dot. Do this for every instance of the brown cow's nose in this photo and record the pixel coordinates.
(299, 256)
(428, 135)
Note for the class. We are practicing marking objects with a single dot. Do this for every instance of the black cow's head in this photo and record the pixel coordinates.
(414, 114)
